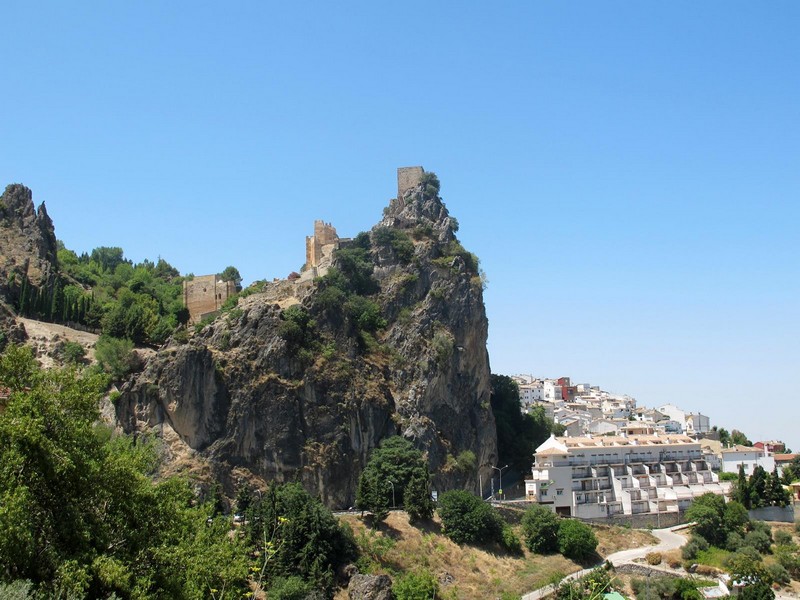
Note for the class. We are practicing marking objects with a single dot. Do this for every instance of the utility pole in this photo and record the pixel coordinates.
(499, 470)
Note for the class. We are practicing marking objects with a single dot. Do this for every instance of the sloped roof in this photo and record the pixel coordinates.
(550, 444)
(738, 448)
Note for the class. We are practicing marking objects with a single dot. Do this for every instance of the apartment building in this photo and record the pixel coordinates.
(593, 477)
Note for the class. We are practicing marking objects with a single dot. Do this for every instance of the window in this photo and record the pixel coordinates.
(544, 493)
(559, 492)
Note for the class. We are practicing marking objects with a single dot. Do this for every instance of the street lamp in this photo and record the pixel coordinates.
(500, 471)
(392, 484)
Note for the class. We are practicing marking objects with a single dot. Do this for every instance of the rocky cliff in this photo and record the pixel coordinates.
(27, 250)
(390, 341)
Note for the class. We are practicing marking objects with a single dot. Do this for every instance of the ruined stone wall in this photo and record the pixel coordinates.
(205, 295)
(407, 178)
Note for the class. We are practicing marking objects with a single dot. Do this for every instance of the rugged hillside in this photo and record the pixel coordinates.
(392, 340)
(27, 249)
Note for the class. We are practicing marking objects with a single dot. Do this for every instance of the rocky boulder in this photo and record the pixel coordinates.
(370, 587)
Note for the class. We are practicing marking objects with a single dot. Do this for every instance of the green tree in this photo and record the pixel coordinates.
(576, 540)
(395, 460)
(518, 434)
(296, 536)
(757, 488)
(540, 529)
(232, 274)
(735, 518)
(417, 499)
(374, 494)
(708, 512)
(80, 515)
(776, 494)
(740, 439)
(466, 519)
(746, 569)
(741, 492)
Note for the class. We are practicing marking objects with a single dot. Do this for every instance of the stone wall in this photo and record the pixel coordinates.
(407, 178)
(780, 514)
(642, 520)
(205, 295)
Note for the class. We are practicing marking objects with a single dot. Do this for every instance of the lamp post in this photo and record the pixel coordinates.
(500, 471)
(392, 484)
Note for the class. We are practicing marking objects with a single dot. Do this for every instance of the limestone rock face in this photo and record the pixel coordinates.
(258, 396)
(27, 249)
(370, 587)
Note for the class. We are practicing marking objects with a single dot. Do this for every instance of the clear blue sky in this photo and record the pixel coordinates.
(628, 172)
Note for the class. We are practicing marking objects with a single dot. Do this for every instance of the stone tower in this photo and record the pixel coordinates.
(407, 178)
(321, 245)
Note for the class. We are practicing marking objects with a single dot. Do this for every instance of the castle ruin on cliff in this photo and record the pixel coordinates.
(205, 295)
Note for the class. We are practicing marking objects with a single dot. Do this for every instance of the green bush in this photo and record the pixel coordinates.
(778, 573)
(509, 539)
(416, 586)
(758, 540)
(540, 529)
(73, 353)
(696, 544)
(296, 327)
(789, 559)
(576, 540)
(365, 313)
(289, 588)
(783, 538)
(466, 519)
(734, 541)
(443, 346)
(395, 239)
(115, 356)
(591, 586)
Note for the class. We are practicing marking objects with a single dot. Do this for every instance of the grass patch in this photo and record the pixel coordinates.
(713, 557)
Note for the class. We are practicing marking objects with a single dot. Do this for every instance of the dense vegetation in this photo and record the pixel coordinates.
(518, 433)
(760, 489)
(106, 292)
(396, 472)
(725, 529)
(81, 514)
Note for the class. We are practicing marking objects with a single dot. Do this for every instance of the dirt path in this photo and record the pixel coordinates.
(43, 337)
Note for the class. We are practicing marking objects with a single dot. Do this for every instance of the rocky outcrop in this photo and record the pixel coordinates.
(370, 587)
(27, 242)
(392, 341)
(28, 253)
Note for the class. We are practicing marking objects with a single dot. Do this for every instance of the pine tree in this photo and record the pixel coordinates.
(417, 500)
(742, 493)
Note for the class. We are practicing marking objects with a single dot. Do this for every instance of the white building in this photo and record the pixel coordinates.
(697, 423)
(589, 477)
(552, 392)
(749, 457)
(673, 412)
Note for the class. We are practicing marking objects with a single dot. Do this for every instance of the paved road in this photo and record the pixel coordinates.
(669, 539)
